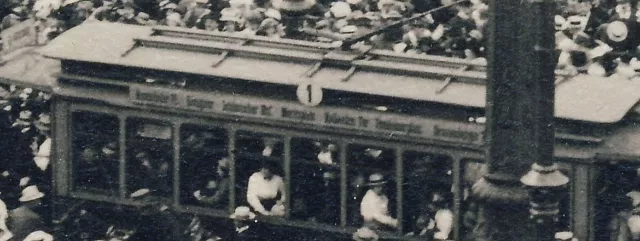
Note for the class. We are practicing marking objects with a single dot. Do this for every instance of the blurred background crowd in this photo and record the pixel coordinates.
(596, 37)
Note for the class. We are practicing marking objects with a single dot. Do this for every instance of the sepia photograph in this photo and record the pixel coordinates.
(319, 120)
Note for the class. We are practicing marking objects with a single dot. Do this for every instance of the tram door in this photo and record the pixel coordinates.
(617, 199)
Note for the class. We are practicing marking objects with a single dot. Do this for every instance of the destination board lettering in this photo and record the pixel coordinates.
(240, 108)
(334, 118)
(395, 126)
(161, 98)
(298, 114)
(455, 134)
(199, 103)
(331, 117)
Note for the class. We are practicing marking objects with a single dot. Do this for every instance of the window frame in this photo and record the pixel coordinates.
(343, 141)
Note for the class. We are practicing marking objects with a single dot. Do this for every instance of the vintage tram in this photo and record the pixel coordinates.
(187, 99)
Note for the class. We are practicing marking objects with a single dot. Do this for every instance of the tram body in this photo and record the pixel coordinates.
(166, 91)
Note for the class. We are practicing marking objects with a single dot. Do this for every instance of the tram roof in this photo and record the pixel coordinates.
(583, 98)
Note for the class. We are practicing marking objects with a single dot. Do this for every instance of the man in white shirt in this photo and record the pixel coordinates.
(374, 205)
(266, 192)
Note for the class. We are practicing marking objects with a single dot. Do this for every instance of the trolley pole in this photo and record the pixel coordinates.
(544, 182)
(519, 130)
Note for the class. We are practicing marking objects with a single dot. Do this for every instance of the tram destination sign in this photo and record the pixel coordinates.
(294, 112)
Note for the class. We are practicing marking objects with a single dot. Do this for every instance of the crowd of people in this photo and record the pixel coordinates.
(594, 37)
(25, 176)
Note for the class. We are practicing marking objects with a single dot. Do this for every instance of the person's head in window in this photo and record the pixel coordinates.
(268, 169)
(223, 167)
(325, 156)
(143, 158)
(269, 145)
(376, 183)
(110, 150)
(89, 156)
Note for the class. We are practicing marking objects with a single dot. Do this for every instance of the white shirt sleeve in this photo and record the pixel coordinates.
(370, 210)
(252, 193)
(444, 222)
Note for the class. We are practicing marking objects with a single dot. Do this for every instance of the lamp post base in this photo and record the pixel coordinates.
(503, 214)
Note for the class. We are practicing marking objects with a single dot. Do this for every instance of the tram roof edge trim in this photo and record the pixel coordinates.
(582, 98)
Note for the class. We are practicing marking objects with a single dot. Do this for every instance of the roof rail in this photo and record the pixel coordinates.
(322, 54)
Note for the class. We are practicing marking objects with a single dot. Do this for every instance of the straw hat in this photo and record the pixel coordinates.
(31, 193)
(565, 236)
(243, 213)
(365, 234)
(617, 31)
(140, 193)
(44, 122)
(376, 179)
(110, 148)
(25, 118)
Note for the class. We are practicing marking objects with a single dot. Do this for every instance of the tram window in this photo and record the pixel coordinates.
(149, 157)
(255, 153)
(204, 166)
(315, 181)
(363, 162)
(95, 152)
(617, 200)
(427, 193)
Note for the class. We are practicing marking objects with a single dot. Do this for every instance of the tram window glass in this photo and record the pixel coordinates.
(427, 191)
(204, 166)
(364, 161)
(616, 200)
(315, 181)
(149, 157)
(95, 152)
(253, 151)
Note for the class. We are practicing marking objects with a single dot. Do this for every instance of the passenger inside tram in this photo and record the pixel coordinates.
(95, 152)
(153, 174)
(315, 182)
(215, 193)
(204, 166)
(365, 162)
(375, 204)
(266, 191)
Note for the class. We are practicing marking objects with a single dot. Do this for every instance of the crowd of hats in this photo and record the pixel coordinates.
(455, 31)
(597, 37)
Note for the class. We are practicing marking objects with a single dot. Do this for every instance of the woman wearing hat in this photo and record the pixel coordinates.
(266, 192)
(25, 219)
(375, 204)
